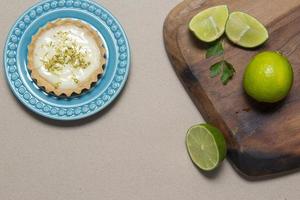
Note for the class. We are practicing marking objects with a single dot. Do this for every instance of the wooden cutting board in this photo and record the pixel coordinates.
(263, 139)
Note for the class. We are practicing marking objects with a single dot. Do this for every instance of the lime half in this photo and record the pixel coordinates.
(209, 24)
(206, 146)
(246, 31)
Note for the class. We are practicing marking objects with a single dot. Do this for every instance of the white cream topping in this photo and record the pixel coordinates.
(53, 45)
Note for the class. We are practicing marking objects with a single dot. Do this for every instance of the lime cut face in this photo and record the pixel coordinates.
(268, 77)
(206, 146)
(246, 31)
(209, 25)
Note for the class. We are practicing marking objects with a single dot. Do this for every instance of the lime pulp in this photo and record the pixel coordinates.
(206, 146)
(246, 31)
(209, 25)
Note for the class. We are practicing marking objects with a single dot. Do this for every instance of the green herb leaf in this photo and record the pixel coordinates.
(228, 72)
(215, 50)
(216, 69)
(223, 67)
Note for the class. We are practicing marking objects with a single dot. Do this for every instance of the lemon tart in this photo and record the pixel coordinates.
(66, 56)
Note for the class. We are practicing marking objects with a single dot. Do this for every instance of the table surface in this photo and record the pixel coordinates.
(135, 149)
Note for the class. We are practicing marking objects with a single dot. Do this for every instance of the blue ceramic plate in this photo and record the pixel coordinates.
(89, 102)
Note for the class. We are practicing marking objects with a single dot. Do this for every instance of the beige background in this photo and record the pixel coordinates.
(133, 151)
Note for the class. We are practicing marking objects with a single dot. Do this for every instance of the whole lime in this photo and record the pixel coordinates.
(268, 77)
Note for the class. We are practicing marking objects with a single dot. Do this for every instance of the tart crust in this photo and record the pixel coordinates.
(42, 82)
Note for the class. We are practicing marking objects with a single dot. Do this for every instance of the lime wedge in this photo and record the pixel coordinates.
(209, 24)
(246, 31)
(206, 146)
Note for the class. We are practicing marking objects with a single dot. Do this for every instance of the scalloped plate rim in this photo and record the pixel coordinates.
(77, 117)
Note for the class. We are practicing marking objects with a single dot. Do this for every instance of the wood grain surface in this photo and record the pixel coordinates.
(263, 139)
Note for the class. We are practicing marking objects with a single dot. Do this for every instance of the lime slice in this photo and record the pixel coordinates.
(246, 31)
(206, 146)
(209, 24)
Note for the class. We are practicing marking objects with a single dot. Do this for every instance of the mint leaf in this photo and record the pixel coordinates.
(222, 67)
(228, 72)
(215, 50)
(216, 69)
